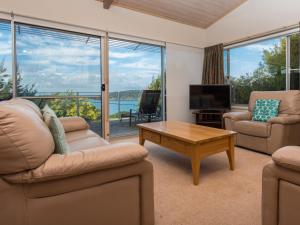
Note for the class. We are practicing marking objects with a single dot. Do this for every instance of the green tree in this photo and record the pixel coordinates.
(155, 83)
(68, 105)
(4, 88)
(6, 84)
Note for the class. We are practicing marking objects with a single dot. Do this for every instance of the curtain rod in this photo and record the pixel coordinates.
(12, 15)
(261, 35)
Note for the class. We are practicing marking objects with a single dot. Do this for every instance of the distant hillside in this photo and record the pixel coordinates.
(126, 95)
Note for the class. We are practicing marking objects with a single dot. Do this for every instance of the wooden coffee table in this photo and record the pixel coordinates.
(193, 141)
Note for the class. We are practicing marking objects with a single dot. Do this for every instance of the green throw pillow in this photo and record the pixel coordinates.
(265, 109)
(57, 130)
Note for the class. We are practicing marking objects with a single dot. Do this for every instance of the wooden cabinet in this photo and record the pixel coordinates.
(210, 118)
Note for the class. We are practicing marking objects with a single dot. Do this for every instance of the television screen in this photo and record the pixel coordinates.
(210, 97)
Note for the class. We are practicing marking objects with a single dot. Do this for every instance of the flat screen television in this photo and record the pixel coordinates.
(210, 97)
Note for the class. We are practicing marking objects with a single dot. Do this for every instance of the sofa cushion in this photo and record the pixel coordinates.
(289, 100)
(253, 128)
(74, 123)
(83, 139)
(25, 140)
(27, 103)
(57, 130)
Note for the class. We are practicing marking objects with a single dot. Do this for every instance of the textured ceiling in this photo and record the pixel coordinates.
(199, 13)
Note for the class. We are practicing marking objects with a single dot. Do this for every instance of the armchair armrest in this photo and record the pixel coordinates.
(288, 157)
(290, 119)
(80, 162)
(238, 115)
(75, 123)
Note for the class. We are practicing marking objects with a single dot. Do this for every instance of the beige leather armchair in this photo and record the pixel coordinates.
(97, 183)
(281, 188)
(267, 136)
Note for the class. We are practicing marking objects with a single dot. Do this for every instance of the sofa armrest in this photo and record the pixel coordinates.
(285, 120)
(75, 123)
(288, 157)
(238, 116)
(81, 162)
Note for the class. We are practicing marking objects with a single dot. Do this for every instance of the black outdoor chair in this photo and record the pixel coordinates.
(147, 108)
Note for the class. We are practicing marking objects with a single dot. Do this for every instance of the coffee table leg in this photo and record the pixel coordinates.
(141, 139)
(230, 152)
(195, 160)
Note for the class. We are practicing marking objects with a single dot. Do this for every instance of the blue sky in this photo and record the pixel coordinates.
(246, 59)
(57, 63)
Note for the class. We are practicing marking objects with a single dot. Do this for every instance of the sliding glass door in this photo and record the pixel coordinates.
(61, 69)
(64, 70)
(135, 85)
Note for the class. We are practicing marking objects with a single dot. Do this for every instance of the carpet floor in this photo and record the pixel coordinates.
(223, 197)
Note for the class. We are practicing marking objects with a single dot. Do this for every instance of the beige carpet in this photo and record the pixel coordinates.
(223, 197)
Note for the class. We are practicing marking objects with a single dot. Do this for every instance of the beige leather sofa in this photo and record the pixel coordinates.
(96, 184)
(277, 132)
(281, 188)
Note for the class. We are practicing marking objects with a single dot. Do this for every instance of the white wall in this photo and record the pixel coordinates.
(184, 67)
(254, 17)
(91, 13)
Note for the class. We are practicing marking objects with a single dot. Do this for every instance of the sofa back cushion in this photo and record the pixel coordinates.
(25, 140)
(27, 103)
(289, 100)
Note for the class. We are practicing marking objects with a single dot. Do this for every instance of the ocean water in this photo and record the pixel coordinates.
(125, 105)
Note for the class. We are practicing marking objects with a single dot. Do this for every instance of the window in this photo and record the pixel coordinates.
(259, 66)
(5, 61)
(62, 69)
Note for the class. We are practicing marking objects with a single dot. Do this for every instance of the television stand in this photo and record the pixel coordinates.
(210, 118)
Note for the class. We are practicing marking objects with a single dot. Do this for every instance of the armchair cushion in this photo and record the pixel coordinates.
(289, 100)
(285, 120)
(253, 128)
(238, 116)
(288, 157)
(75, 123)
(81, 162)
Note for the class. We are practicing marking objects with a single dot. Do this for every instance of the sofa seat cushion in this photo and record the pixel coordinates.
(84, 139)
(252, 128)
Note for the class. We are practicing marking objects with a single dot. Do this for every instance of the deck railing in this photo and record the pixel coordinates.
(118, 103)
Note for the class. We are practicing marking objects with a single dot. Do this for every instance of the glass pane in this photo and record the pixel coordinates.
(134, 69)
(5, 61)
(259, 66)
(294, 62)
(62, 68)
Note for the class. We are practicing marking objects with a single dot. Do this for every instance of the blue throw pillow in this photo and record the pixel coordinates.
(265, 109)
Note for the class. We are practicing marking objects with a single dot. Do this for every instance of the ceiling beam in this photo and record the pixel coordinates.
(107, 3)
